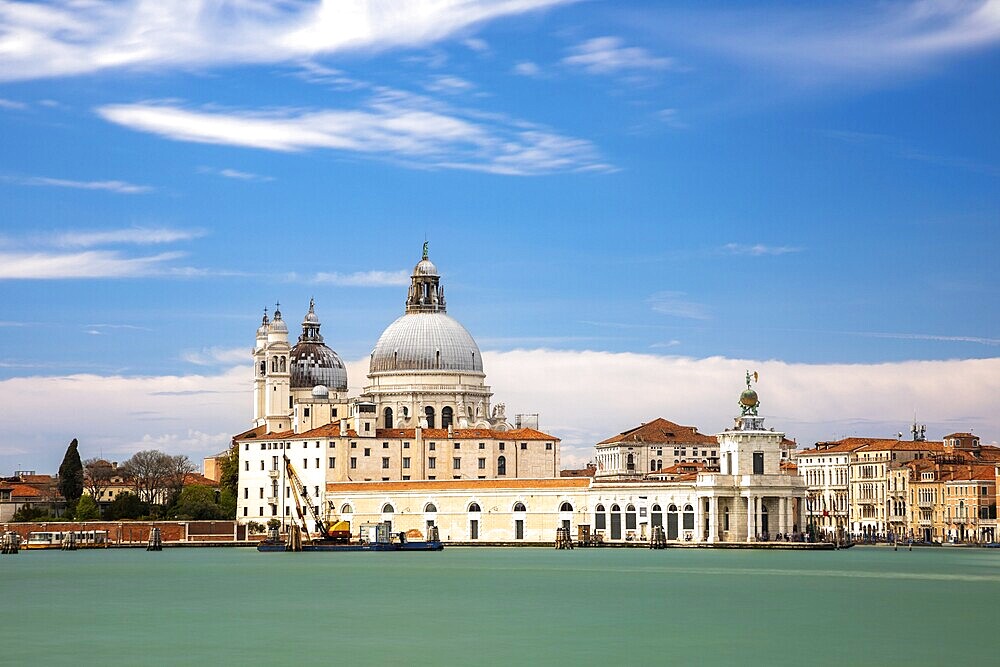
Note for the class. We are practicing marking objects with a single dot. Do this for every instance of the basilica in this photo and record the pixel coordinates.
(424, 444)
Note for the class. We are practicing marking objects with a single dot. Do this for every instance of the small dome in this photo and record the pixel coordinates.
(313, 364)
(311, 317)
(425, 267)
(426, 341)
(277, 324)
(320, 391)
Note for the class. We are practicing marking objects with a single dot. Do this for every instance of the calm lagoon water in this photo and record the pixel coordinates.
(501, 606)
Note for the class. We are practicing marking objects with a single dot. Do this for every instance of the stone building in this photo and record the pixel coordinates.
(634, 453)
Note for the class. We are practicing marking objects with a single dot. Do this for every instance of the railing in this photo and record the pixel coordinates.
(272, 500)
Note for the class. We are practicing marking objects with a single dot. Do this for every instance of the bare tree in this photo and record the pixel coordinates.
(97, 476)
(156, 476)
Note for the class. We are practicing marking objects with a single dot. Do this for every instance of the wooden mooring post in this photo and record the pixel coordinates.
(294, 539)
(69, 541)
(563, 539)
(10, 542)
(658, 539)
(155, 540)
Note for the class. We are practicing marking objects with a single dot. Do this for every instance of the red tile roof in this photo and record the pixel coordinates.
(661, 431)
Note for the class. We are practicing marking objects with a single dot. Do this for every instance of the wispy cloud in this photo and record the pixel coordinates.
(364, 279)
(670, 118)
(408, 129)
(978, 340)
(120, 187)
(677, 305)
(236, 174)
(448, 84)
(476, 44)
(12, 104)
(527, 68)
(901, 149)
(216, 356)
(87, 264)
(125, 236)
(608, 55)
(851, 43)
(758, 249)
(70, 37)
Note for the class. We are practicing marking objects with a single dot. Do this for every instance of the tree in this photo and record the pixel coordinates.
(156, 477)
(87, 509)
(126, 506)
(229, 468)
(197, 503)
(97, 476)
(71, 474)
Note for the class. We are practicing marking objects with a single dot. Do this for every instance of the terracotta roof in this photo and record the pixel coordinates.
(22, 491)
(661, 431)
(788, 465)
(687, 477)
(332, 430)
(589, 471)
(37, 479)
(969, 473)
(193, 478)
(459, 485)
(682, 467)
(960, 435)
(885, 445)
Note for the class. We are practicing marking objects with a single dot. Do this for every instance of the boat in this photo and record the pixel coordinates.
(57, 539)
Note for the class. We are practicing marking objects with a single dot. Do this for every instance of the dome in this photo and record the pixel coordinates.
(277, 324)
(425, 267)
(748, 398)
(320, 391)
(426, 341)
(313, 363)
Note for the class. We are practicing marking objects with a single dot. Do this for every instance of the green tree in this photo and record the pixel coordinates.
(229, 468)
(197, 503)
(29, 514)
(126, 506)
(71, 474)
(87, 509)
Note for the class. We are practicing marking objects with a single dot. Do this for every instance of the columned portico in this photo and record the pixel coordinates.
(713, 519)
(751, 517)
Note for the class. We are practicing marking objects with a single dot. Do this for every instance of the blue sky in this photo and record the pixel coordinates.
(811, 184)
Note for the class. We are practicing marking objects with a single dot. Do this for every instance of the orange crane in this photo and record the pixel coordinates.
(338, 530)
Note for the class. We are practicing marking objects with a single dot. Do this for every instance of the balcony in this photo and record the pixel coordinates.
(274, 474)
(272, 500)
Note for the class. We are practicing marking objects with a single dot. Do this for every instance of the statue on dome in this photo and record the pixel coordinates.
(748, 399)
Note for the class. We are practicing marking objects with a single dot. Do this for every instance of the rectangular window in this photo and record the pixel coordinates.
(406, 477)
(354, 463)
(385, 445)
(431, 476)
(333, 461)
(482, 445)
(368, 451)
(456, 463)
(406, 445)
(524, 445)
(368, 426)
(335, 412)
(431, 447)
(305, 463)
(317, 461)
(431, 462)
(758, 463)
(262, 492)
(548, 446)
(246, 492)
(305, 412)
(385, 462)
(482, 464)
(262, 511)
(518, 529)
(263, 446)
(246, 447)
(501, 446)
(406, 462)
(458, 445)
(261, 465)
(354, 445)
(245, 511)
(246, 466)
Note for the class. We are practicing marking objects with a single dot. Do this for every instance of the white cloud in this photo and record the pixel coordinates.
(129, 235)
(236, 174)
(607, 55)
(675, 303)
(87, 264)
(402, 127)
(364, 279)
(758, 249)
(671, 118)
(121, 187)
(582, 397)
(70, 37)
(817, 44)
(527, 68)
(12, 104)
(476, 44)
(448, 84)
(216, 356)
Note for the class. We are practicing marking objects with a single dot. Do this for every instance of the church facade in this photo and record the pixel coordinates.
(424, 444)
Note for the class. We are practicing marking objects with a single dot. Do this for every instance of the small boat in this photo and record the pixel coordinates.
(380, 538)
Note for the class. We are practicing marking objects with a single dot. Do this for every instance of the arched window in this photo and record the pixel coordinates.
(630, 518)
(656, 516)
(274, 364)
(346, 509)
(429, 414)
(474, 507)
(688, 517)
(387, 509)
(446, 416)
(565, 507)
(501, 465)
(616, 522)
(388, 418)
(630, 462)
(430, 507)
(519, 507)
(263, 368)
(283, 368)
(600, 519)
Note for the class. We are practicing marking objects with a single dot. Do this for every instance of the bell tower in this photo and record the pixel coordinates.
(277, 386)
(260, 371)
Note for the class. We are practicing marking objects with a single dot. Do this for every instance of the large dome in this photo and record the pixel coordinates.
(424, 342)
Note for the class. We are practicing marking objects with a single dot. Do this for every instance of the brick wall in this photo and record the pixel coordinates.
(123, 532)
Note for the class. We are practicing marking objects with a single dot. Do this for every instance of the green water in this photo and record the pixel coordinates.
(495, 606)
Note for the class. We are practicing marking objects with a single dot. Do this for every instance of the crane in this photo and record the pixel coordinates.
(338, 530)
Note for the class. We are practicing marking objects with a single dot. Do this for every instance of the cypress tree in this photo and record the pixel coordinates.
(71, 474)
